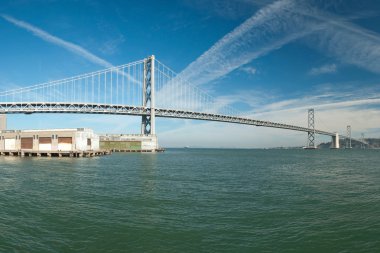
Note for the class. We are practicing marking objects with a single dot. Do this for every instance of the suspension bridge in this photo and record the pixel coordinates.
(145, 88)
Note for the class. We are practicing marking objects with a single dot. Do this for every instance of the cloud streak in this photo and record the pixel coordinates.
(349, 44)
(315, 105)
(324, 97)
(331, 115)
(278, 24)
(267, 30)
(213, 134)
(249, 70)
(78, 50)
(325, 69)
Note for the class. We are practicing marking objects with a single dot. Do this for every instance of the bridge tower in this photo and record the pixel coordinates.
(311, 134)
(348, 139)
(148, 123)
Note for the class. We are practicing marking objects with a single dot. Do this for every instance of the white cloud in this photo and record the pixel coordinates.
(249, 70)
(280, 23)
(334, 110)
(325, 69)
(330, 117)
(111, 46)
(344, 40)
(323, 100)
(78, 50)
(267, 30)
(272, 27)
(223, 8)
(349, 44)
(223, 135)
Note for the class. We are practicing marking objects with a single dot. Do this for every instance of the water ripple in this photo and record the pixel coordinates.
(193, 201)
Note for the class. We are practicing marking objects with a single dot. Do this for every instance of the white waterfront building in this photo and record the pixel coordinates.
(79, 139)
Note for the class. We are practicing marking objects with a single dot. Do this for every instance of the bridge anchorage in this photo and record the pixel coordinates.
(145, 88)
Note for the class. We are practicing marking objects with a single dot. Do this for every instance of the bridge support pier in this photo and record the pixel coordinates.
(148, 122)
(3, 122)
(335, 141)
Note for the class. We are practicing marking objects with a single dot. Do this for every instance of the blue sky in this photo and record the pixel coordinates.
(270, 59)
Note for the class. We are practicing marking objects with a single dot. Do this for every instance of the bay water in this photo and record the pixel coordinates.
(193, 200)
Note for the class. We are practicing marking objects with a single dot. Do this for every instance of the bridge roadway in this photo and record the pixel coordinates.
(89, 108)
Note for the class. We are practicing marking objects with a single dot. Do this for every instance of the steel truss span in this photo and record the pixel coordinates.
(88, 108)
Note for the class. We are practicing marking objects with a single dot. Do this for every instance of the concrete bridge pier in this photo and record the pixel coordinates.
(3, 122)
(335, 141)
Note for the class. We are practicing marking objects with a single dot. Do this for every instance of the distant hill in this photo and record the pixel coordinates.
(373, 143)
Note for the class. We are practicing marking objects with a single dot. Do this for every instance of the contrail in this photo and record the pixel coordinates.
(78, 50)
(350, 44)
(278, 24)
(269, 29)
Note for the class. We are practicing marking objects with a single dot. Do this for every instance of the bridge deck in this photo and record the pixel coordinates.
(56, 107)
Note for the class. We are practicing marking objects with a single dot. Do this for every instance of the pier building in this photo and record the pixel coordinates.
(49, 141)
